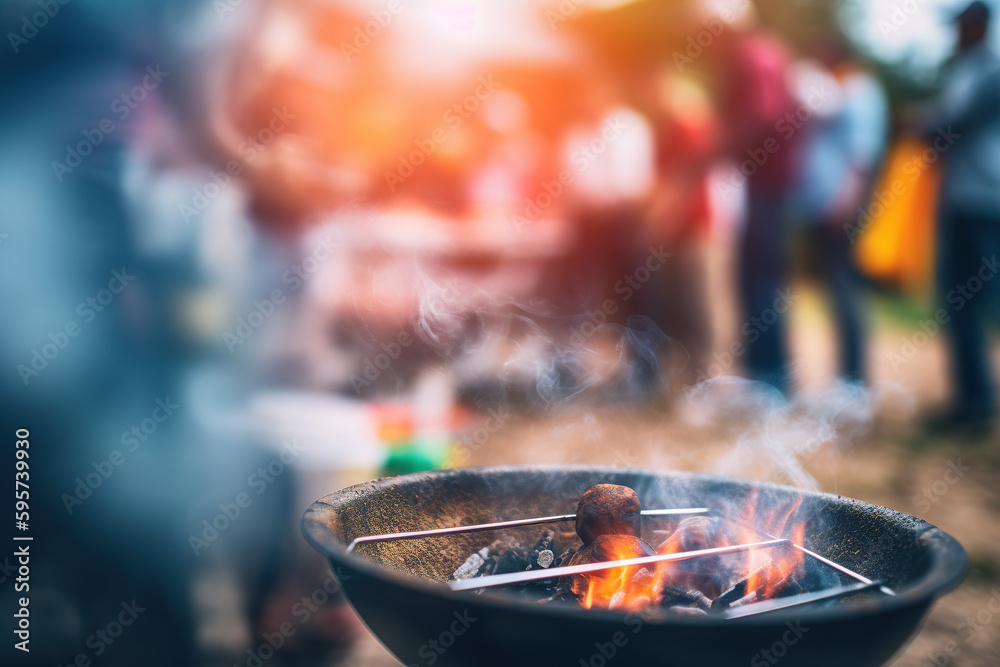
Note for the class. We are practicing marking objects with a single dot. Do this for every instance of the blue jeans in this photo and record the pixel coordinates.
(762, 257)
(964, 241)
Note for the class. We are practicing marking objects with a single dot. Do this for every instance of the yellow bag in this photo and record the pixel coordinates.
(894, 235)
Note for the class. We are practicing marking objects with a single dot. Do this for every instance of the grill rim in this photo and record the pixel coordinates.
(947, 567)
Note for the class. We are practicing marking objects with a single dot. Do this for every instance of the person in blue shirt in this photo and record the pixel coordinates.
(842, 149)
(964, 127)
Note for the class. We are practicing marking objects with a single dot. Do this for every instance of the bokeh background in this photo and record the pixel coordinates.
(256, 251)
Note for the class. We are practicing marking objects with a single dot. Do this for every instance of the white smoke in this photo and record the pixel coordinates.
(772, 436)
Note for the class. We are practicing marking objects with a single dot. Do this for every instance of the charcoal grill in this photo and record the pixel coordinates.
(394, 543)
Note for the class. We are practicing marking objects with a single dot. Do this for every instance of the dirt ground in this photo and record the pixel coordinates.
(894, 464)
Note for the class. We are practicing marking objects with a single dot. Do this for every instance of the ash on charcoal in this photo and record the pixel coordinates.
(470, 567)
(734, 593)
(543, 546)
(504, 557)
(490, 556)
(546, 542)
(677, 598)
(739, 594)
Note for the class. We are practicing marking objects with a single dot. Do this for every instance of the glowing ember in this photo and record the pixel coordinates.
(728, 580)
(618, 588)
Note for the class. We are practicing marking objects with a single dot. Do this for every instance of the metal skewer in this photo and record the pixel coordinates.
(551, 573)
(765, 606)
(503, 524)
(826, 561)
(777, 604)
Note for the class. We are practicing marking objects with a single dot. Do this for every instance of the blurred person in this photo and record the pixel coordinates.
(88, 201)
(964, 127)
(105, 535)
(842, 148)
(758, 111)
(609, 155)
(686, 134)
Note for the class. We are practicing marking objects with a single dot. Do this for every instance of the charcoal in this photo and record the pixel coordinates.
(565, 557)
(612, 547)
(678, 597)
(561, 593)
(701, 600)
(544, 545)
(470, 567)
(514, 559)
(790, 586)
(546, 542)
(494, 550)
(746, 599)
(739, 594)
(502, 557)
(697, 532)
(734, 593)
(489, 566)
(644, 577)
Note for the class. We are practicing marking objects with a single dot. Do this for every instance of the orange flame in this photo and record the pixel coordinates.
(632, 588)
(627, 588)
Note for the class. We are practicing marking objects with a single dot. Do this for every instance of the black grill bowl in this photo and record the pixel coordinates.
(398, 587)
